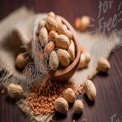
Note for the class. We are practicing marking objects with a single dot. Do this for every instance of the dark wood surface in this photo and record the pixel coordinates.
(108, 102)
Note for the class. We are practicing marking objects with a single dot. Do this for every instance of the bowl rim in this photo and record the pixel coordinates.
(60, 72)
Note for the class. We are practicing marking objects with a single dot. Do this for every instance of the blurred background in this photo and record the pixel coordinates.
(69, 9)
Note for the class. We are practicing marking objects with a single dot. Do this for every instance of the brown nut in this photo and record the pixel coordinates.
(62, 41)
(53, 35)
(51, 24)
(82, 23)
(69, 95)
(85, 21)
(64, 57)
(62, 29)
(78, 106)
(53, 60)
(78, 23)
(15, 91)
(61, 105)
(41, 24)
(49, 48)
(51, 14)
(22, 61)
(43, 36)
(84, 60)
(90, 89)
(103, 65)
(71, 51)
(82, 49)
(58, 20)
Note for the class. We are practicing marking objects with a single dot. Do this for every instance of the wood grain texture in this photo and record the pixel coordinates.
(108, 101)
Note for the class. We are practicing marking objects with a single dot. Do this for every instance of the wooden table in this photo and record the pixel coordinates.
(108, 104)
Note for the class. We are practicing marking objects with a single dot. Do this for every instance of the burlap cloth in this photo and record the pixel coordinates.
(16, 31)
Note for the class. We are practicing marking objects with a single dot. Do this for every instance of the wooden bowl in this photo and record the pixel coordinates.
(67, 73)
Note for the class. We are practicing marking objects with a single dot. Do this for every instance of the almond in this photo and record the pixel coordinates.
(62, 29)
(51, 24)
(62, 41)
(84, 60)
(78, 106)
(64, 57)
(43, 36)
(61, 105)
(90, 89)
(58, 20)
(69, 95)
(53, 60)
(52, 35)
(49, 48)
(103, 65)
(51, 14)
(15, 91)
(71, 51)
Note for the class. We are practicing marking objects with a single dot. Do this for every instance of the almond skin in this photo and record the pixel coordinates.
(71, 51)
(61, 105)
(21, 61)
(69, 95)
(58, 20)
(84, 60)
(43, 36)
(51, 24)
(15, 91)
(103, 65)
(53, 60)
(49, 48)
(53, 35)
(90, 89)
(62, 41)
(62, 29)
(64, 57)
(52, 14)
(78, 106)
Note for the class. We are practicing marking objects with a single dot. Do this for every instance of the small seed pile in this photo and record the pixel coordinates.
(42, 98)
(56, 41)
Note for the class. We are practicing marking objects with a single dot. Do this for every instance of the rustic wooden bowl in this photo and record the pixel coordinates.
(67, 73)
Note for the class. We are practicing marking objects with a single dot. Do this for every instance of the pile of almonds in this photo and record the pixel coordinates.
(42, 98)
(56, 41)
(69, 96)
